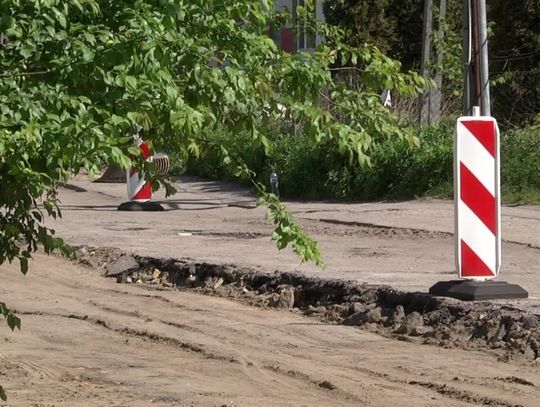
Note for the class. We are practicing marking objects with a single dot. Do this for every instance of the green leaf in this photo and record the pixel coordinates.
(27, 50)
(131, 82)
(134, 150)
(78, 5)
(60, 18)
(193, 148)
(87, 53)
(13, 322)
(266, 144)
(24, 264)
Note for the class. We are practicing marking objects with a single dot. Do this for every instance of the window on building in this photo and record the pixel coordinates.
(306, 38)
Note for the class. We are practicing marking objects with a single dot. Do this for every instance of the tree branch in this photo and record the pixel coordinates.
(12, 75)
(347, 68)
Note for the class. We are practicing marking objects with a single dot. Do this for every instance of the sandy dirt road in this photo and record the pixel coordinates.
(408, 245)
(87, 341)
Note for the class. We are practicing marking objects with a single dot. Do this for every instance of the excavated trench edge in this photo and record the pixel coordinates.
(509, 332)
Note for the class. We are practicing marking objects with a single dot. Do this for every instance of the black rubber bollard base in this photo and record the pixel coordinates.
(140, 206)
(478, 290)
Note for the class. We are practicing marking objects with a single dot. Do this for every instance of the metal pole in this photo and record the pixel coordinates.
(436, 94)
(467, 59)
(477, 100)
(484, 58)
(475, 58)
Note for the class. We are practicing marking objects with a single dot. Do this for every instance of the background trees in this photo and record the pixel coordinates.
(392, 25)
(399, 169)
(515, 60)
(396, 27)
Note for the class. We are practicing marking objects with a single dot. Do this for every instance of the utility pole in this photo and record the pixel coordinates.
(427, 33)
(430, 102)
(475, 58)
(436, 94)
(484, 58)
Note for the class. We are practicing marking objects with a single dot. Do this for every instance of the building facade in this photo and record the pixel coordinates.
(304, 40)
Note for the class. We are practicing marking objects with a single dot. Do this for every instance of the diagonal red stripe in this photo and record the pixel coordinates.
(145, 150)
(144, 193)
(484, 131)
(472, 265)
(478, 198)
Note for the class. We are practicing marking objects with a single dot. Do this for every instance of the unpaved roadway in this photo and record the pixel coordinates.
(88, 341)
(408, 245)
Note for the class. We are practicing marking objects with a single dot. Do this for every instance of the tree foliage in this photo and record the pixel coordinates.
(515, 60)
(364, 21)
(77, 76)
(394, 26)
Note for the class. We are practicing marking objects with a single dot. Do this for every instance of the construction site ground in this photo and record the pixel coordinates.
(87, 340)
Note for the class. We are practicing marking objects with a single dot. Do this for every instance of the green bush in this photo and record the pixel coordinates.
(520, 165)
(398, 170)
(412, 171)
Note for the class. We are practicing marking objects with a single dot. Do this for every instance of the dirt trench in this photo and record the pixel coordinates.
(509, 332)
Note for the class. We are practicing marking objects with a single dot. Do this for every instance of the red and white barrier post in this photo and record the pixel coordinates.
(477, 198)
(477, 206)
(139, 190)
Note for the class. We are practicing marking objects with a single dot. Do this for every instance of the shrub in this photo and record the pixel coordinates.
(398, 170)
(520, 165)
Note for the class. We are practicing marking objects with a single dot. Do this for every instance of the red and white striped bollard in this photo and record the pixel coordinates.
(139, 190)
(477, 207)
(477, 198)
